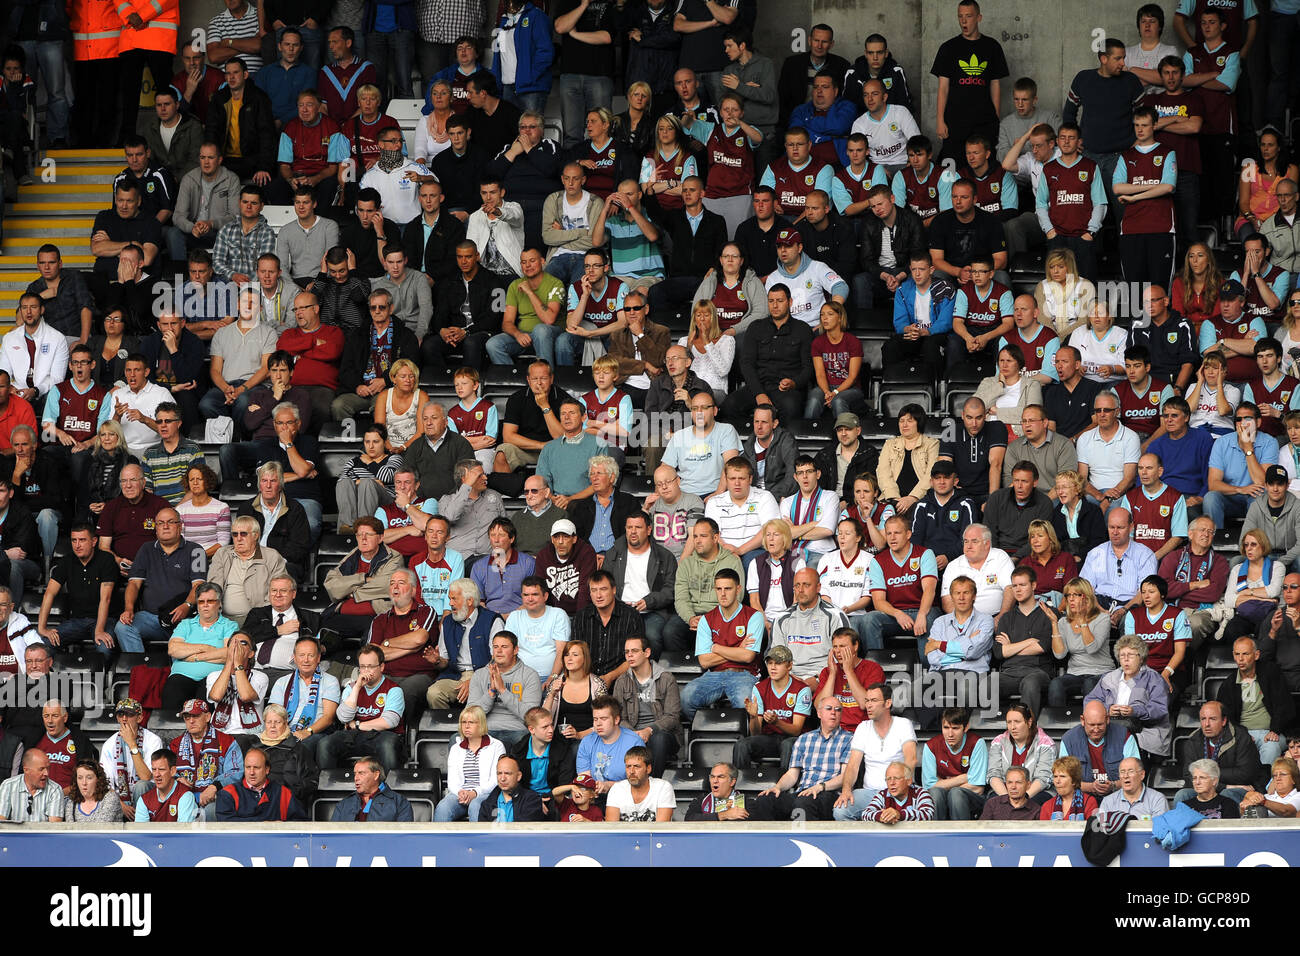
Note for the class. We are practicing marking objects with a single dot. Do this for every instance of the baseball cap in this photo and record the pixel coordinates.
(789, 237)
(127, 707)
(1276, 475)
(780, 654)
(585, 780)
(193, 707)
(1232, 289)
(847, 420)
(564, 526)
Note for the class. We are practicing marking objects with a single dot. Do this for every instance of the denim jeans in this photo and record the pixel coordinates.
(80, 630)
(1269, 750)
(880, 625)
(131, 637)
(709, 688)
(1063, 688)
(400, 47)
(502, 349)
(566, 268)
(213, 404)
(384, 745)
(47, 525)
(1218, 506)
(847, 400)
(853, 811)
(18, 573)
(579, 94)
(956, 803)
(525, 101)
(450, 809)
(48, 56)
(665, 630)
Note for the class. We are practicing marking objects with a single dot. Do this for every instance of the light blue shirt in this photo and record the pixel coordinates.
(192, 632)
(605, 761)
(187, 808)
(899, 187)
(436, 582)
(753, 637)
(538, 637)
(1209, 335)
(1227, 456)
(969, 645)
(602, 531)
(1118, 578)
(977, 773)
(1096, 194)
(698, 459)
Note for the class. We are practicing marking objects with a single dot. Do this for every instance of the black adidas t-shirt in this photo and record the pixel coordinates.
(970, 66)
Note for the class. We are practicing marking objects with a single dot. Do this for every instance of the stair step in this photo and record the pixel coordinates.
(26, 264)
(49, 227)
(58, 189)
(20, 209)
(15, 244)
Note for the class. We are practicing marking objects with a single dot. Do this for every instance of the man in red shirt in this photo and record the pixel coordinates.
(408, 633)
(127, 522)
(14, 411)
(847, 676)
(317, 349)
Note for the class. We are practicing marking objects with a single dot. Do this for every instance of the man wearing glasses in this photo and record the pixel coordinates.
(1108, 454)
(1168, 338)
(316, 349)
(1237, 466)
(530, 171)
(161, 571)
(1050, 452)
(699, 453)
(70, 417)
(166, 463)
(370, 354)
(1283, 231)
(1116, 567)
(533, 524)
(32, 797)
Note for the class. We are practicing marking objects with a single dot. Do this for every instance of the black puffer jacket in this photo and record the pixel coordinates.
(103, 472)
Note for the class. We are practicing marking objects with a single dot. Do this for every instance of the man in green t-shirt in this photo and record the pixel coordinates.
(533, 305)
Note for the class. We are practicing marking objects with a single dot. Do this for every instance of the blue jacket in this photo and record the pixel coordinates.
(385, 807)
(834, 126)
(534, 51)
(943, 298)
(403, 13)
(1075, 742)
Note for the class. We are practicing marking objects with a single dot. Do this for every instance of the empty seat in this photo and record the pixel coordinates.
(322, 808)
(895, 398)
(681, 664)
(893, 659)
(758, 779)
(431, 754)
(1220, 659)
(687, 783)
(422, 788)
(1057, 720)
(713, 735)
(339, 779)
(277, 216)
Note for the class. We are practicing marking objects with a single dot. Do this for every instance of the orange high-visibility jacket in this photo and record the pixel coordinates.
(95, 29)
(162, 24)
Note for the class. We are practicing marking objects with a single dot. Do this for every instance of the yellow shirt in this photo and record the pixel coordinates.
(232, 125)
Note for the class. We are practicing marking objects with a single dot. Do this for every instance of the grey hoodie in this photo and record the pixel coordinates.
(1283, 531)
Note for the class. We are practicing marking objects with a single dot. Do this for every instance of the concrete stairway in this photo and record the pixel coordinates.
(61, 210)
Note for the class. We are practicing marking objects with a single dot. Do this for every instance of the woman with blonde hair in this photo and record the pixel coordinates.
(633, 126)
(399, 406)
(1081, 637)
(471, 768)
(1282, 798)
(598, 155)
(1064, 298)
(431, 136)
(1052, 567)
(108, 456)
(1289, 335)
(1077, 521)
(1254, 586)
(837, 366)
(1195, 292)
(712, 353)
(666, 164)
(769, 577)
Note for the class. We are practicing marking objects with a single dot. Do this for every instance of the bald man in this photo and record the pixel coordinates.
(1099, 748)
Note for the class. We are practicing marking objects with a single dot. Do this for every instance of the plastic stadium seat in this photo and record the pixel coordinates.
(1167, 781)
(439, 724)
(1210, 687)
(166, 725)
(893, 400)
(893, 659)
(322, 808)
(713, 735)
(757, 779)
(406, 112)
(681, 664)
(432, 754)
(957, 398)
(277, 216)
(1057, 720)
(983, 720)
(1220, 659)
(872, 320)
(421, 787)
(686, 782)
(235, 491)
(705, 753)
(335, 780)
(872, 344)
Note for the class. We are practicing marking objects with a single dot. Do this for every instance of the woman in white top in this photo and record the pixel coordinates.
(711, 352)
(1063, 298)
(1006, 394)
(431, 136)
(844, 577)
(1254, 586)
(1101, 346)
(1289, 334)
(398, 408)
(1213, 401)
(1282, 799)
(778, 537)
(471, 768)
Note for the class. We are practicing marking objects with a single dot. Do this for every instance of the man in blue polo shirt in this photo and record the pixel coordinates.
(1237, 466)
(601, 753)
